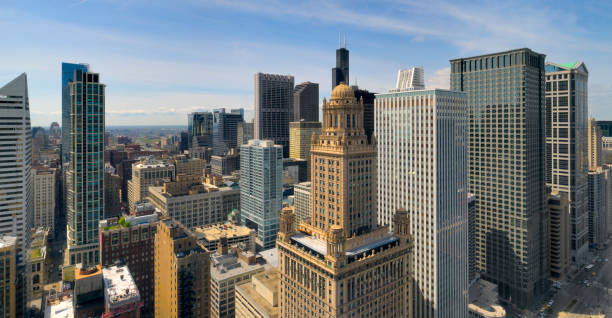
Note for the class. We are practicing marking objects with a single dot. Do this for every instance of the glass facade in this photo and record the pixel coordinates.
(506, 168)
(67, 77)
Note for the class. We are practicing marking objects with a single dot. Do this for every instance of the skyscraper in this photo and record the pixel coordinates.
(225, 129)
(595, 147)
(43, 198)
(566, 151)
(182, 273)
(368, 109)
(273, 108)
(15, 132)
(261, 188)
(306, 102)
(340, 73)
(507, 171)
(422, 167)
(200, 127)
(244, 134)
(340, 263)
(85, 175)
(67, 77)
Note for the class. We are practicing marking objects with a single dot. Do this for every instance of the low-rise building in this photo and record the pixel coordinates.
(193, 203)
(225, 165)
(210, 235)
(185, 165)
(258, 298)
(121, 296)
(59, 305)
(145, 173)
(88, 291)
(228, 268)
(37, 262)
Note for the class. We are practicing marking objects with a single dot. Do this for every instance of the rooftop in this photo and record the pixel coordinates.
(230, 265)
(80, 273)
(215, 231)
(119, 286)
(60, 309)
(7, 240)
(483, 299)
(270, 280)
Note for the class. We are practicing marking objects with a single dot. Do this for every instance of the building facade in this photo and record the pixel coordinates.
(606, 127)
(132, 242)
(85, 175)
(273, 108)
(340, 263)
(422, 167)
(410, 79)
(16, 132)
(67, 77)
(472, 272)
(261, 188)
(225, 129)
(184, 165)
(182, 273)
(566, 146)
(300, 138)
(193, 203)
(597, 207)
(306, 102)
(258, 298)
(245, 133)
(8, 256)
(301, 201)
(200, 124)
(340, 73)
(148, 172)
(560, 233)
(595, 145)
(43, 197)
(505, 94)
(226, 164)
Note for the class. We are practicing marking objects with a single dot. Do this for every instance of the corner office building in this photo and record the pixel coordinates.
(507, 172)
(85, 175)
(422, 167)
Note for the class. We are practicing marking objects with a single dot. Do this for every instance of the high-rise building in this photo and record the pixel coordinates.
(300, 138)
(200, 124)
(54, 130)
(85, 175)
(130, 240)
(422, 167)
(606, 127)
(225, 129)
(472, 272)
(507, 171)
(410, 79)
(258, 298)
(230, 267)
(226, 164)
(595, 145)
(340, 263)
(182, 273)
(67, 77)
(597, 206)
(301, 201)
(147, 173)
(368, 109)
(16, 133)
(306, 102)
(112, 192)
(193, 203)
(8, 255)
(245, 133)
(560, 233)
(566, 150)
(273, 108)
(43, 197)
(340, 73)
(261, 188)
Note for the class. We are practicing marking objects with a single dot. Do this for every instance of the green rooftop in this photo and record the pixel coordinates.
(569, 65)
(35, 253)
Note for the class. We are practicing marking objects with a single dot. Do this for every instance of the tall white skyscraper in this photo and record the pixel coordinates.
(410, 80)
(422, 167)
(16, 149)
(261, 188)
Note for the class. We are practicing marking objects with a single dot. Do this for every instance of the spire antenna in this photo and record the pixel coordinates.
(339, 40)
(345, 40)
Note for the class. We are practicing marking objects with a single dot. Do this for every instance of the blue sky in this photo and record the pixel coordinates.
(163, 59)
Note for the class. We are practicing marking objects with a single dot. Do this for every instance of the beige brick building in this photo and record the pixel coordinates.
(258, 298)
(340, 263)
(147, 173)
(44, 197)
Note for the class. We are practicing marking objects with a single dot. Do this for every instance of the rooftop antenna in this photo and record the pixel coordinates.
(339, 40)
(345, 40)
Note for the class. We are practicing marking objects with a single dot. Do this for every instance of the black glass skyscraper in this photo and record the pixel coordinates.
(340, 73)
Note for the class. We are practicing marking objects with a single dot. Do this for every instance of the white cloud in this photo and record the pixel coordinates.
(439, 79)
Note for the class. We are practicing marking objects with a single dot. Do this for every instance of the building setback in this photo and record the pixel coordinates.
(340, 263)
(261, 188)
(306, 102)
(566, 149)
(182, 273)
(273, 108)
(507, 171)
(85, 175)
(422, 167)
(16, 133)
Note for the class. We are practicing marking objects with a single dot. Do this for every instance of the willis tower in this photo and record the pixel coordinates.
(340, 73)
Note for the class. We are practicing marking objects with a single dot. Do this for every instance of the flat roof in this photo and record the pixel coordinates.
(227, 266)
(215, 231)
(61, 309)
(421, 92)
(7, 240)
(119, 286)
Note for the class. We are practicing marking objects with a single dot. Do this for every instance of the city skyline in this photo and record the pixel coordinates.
(175, 81)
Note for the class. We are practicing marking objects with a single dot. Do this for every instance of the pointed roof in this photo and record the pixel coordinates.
(16, 87)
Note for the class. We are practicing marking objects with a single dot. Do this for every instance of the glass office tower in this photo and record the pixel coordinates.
(67, 77)
(506, 168)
